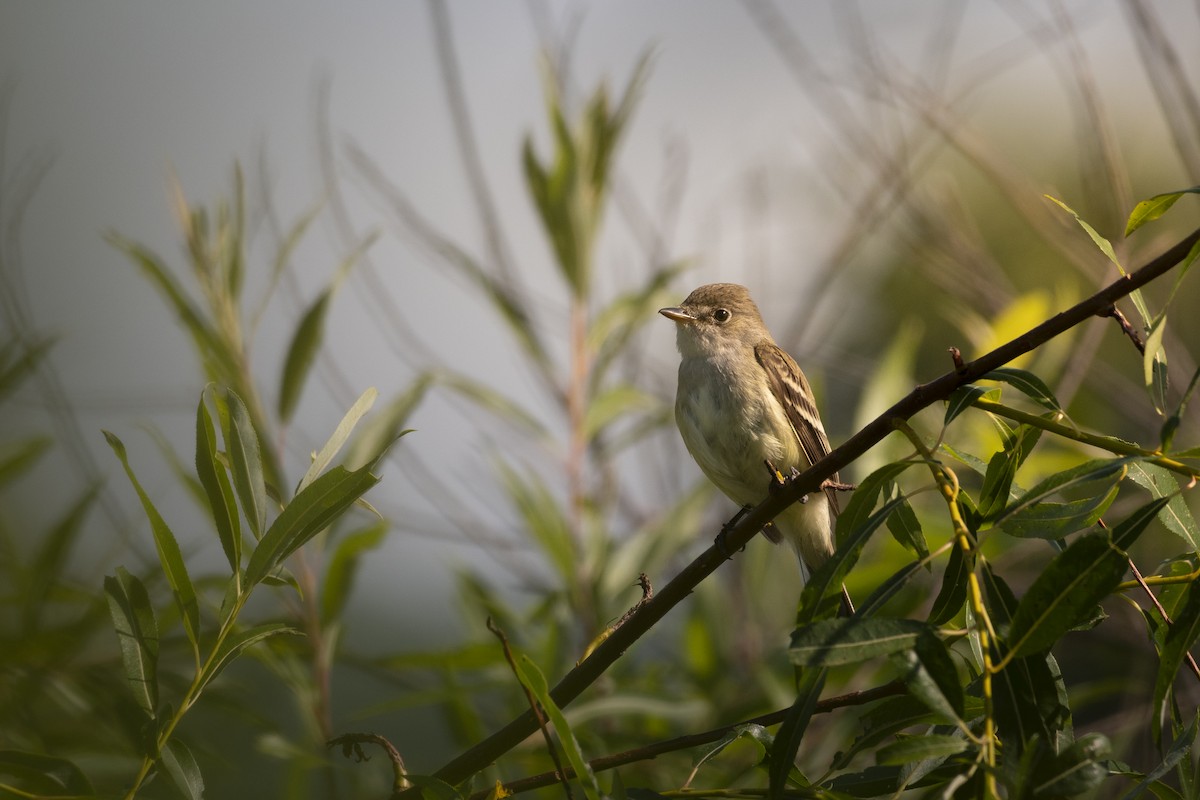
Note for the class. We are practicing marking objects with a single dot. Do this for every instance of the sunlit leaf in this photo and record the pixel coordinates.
(533, 679)
(1175, 515)
(1154, 364)
(1154, 207)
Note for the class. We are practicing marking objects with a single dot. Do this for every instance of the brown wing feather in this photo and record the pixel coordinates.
(791, 389)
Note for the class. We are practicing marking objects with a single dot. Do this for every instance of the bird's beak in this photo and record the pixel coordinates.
(676, 315)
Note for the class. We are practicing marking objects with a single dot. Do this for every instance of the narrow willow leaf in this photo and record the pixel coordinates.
(906, 528)
(1065, 592)
(1180, 748)
(791, 731)
(953, 594)
(532, 679)
(302, 352)
(849, 640)
(1028, 384)
(1001, 602)
(236, 643)
(48, 774)
(183, 769)
(309, 513)
(137, 633)
(343, 565)
(755, 733)
(377, 434)
(1171, 424)
(217, 487)
(963, 397)
(855, 526)
(1180, 637)
(1076, 770)
(49, 561)
(930, 675)
(1176, 515)
(1130, 528)
(169, 554)
(1154, 207)
(919, 748)
(1154, 364)
(1102, 471)
(341, 433)
(245, 461)
(1027, 701)
(1056, 520)
(1002, 470)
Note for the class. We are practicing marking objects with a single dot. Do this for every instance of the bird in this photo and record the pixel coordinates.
(748, 416)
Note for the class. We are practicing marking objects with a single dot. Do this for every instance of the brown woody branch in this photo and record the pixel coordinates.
(696, 739)
(585, 673)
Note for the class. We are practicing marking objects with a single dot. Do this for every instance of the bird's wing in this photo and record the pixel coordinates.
(791, 389)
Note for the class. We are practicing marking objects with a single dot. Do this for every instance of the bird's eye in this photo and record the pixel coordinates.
(722, 315)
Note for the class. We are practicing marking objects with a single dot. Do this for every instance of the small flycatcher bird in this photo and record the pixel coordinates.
(743, 404)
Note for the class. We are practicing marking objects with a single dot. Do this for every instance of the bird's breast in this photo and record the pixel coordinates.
(731, 423)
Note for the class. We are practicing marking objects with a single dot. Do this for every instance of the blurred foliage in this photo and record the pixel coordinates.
(980, 663)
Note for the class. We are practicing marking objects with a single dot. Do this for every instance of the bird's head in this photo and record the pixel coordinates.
(714, 317)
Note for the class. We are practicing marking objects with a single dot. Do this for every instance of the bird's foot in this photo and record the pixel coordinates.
(722, 538)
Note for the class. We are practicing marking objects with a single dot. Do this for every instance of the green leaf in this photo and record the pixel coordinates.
(953, 594)
(1127, 532)
(18, 360)
(1002, 470)
(532, 678)
(236, 643)
(906, 528)
(45, 572)
(183, 769)
(1152, 208)
(849, 640)
(1176, 515)
(1056, 520)
(1102, 243)
(46, 774)
(1029, 707)
(963, 397)
(217, 487)
(302, 352)
(378, 433)
(810, 683)
(309, 513)
(343, 565)
(855, 525)
(169, 554)
(1103, 471)
(1180, 638)
(1028, 384)
(245, 461)
(1181, 748)
(1171, 424)
(918, 748)
(137, 633)
(324, 457)
(1076, 770)
(1064, 593)
(929, 674)
(1154, 364)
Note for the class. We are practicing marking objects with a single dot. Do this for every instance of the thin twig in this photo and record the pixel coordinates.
(1166, 618)
(1126, 328)
(590, 669)
(533, 705)
(657, 749)
(351, 744)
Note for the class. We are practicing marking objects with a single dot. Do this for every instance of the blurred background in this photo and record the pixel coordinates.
(873, 172)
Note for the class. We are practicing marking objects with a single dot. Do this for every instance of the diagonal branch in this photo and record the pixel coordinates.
(591, 668)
